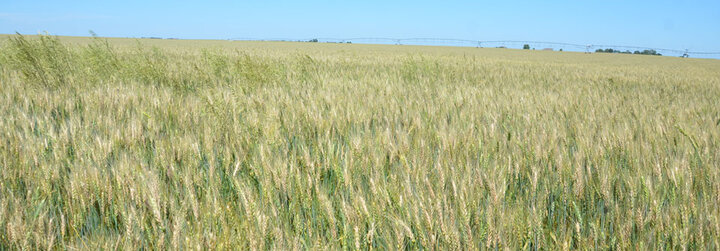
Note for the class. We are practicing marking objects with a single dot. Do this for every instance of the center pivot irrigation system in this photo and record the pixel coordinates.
(539, 45)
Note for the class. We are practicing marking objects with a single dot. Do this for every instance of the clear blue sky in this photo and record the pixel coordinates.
(671, 24)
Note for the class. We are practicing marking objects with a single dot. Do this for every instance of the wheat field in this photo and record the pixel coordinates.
(200, 144)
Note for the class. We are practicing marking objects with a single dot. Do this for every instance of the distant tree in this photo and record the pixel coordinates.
(526, 47)
(560, 49)
(314, 40)
(651, 52)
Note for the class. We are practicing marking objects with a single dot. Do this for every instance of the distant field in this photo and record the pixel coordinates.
(197, 144)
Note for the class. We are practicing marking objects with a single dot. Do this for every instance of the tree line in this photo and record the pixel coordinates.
(644, 52)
